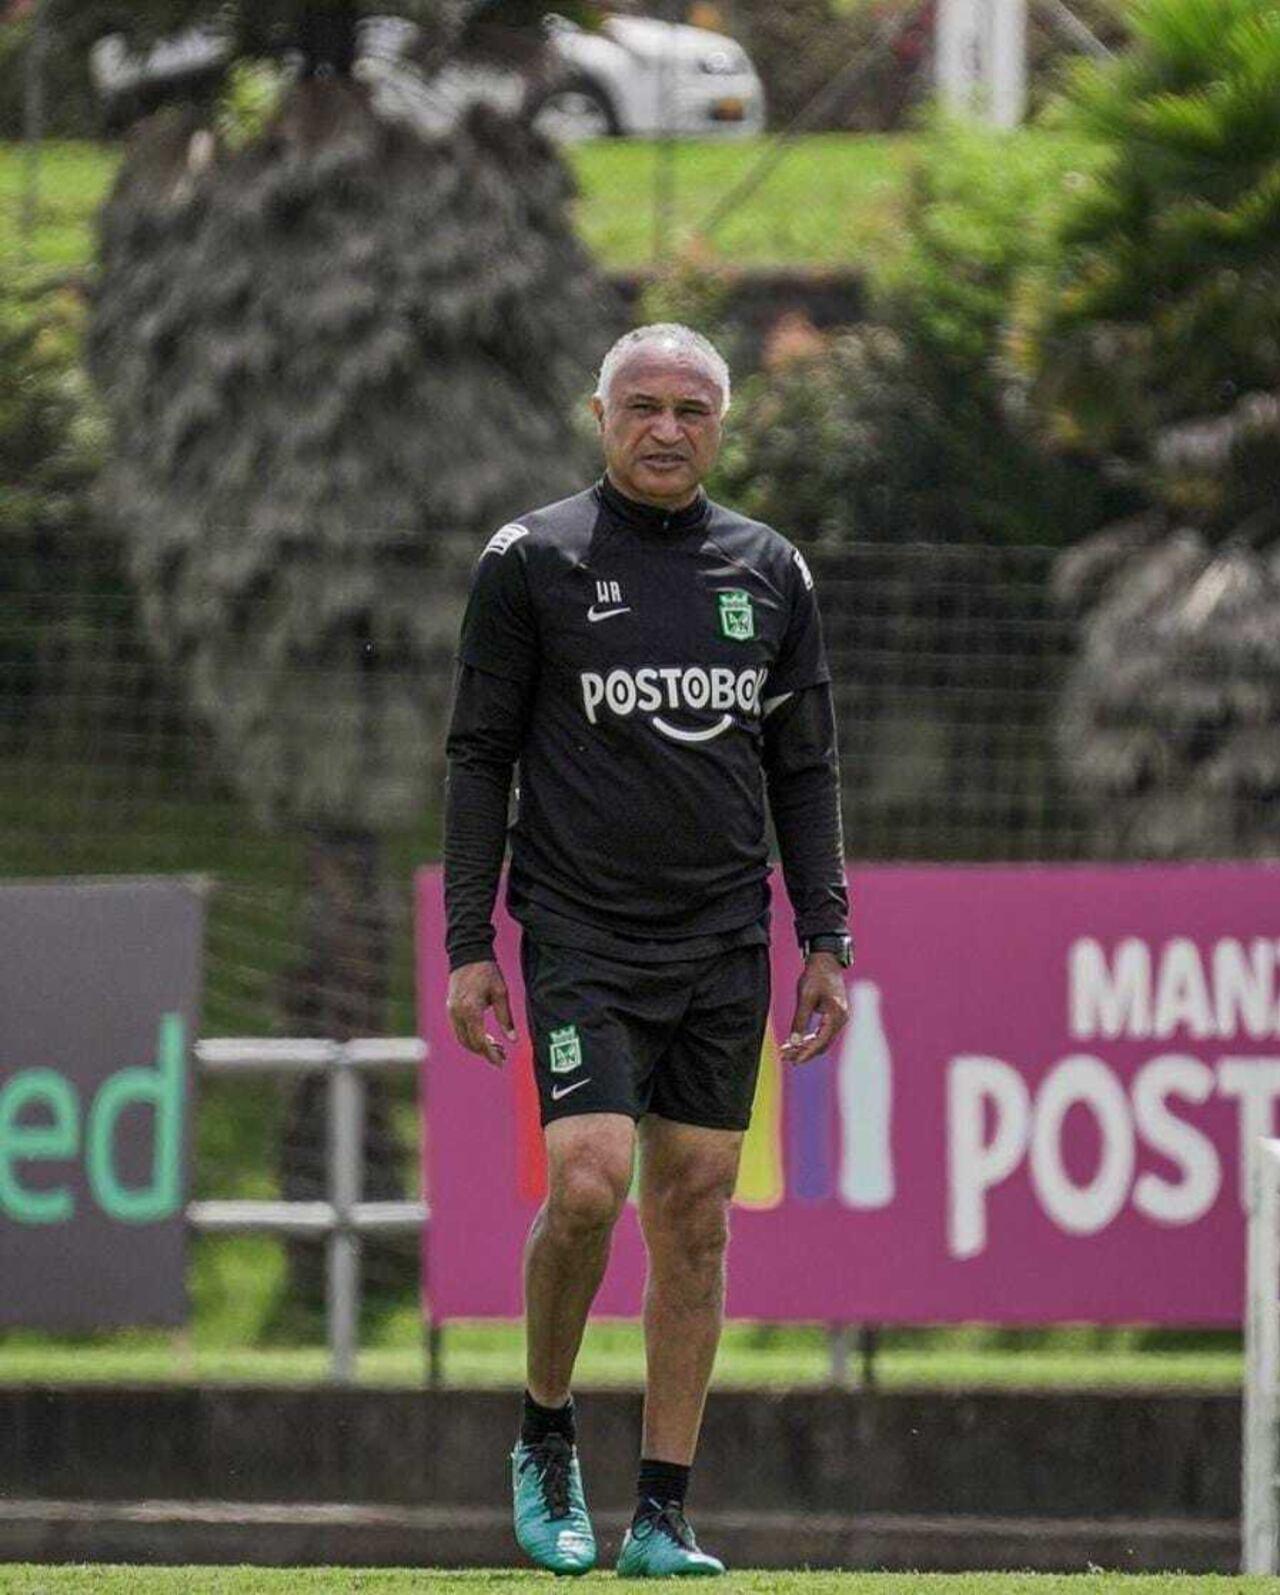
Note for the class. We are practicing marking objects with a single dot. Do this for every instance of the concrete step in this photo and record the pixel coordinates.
(291, 1534)
(994, 1453)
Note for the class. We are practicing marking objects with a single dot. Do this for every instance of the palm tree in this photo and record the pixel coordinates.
(333, 355)
(1158, 348)
(1170, 722)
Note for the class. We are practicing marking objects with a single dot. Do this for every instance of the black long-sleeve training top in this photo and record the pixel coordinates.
(652, 675)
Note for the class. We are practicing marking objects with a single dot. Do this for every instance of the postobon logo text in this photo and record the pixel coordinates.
(675, 689)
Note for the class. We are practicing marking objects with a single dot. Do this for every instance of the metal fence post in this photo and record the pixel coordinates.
(33, 121)
(839, 1339)
(343, 1218)
(868, 1344)
(1262, 1360)
(346, 1170)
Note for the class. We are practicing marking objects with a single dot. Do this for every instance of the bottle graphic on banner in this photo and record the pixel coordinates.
(864, 1087)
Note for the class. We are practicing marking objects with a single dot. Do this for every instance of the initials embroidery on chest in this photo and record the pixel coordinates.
(608, 603)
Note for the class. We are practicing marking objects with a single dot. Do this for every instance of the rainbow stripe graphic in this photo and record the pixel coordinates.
(760, 1179)
(531, 1154)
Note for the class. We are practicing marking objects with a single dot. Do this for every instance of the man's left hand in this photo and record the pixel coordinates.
(820, 994)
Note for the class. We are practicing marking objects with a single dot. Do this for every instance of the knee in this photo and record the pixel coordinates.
(690, 1216)
(586, 1200)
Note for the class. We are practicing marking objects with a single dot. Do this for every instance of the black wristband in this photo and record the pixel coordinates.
(838, 944)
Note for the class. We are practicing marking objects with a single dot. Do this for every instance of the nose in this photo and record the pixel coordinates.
(666, 429)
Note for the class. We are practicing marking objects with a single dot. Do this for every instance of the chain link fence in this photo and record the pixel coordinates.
(949, 665)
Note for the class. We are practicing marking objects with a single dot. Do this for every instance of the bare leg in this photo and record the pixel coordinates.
(589, 1162)
(687, 1176)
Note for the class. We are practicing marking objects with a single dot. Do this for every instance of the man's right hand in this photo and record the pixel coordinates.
(473, 990)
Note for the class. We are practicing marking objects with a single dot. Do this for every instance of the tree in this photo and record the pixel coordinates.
(1170, 722)
(323, 33)
(334, 355)
(50, 450)
(1157, 347)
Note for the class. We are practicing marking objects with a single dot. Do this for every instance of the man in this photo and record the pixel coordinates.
(652, 662)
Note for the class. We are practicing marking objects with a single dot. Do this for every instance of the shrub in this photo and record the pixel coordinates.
(1164, 308)
(911, 429)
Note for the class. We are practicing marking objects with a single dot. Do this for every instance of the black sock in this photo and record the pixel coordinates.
(661, 1483)
(538, 1422)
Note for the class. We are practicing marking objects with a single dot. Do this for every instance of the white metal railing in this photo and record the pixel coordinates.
(344, 1218)
(1261, 1361)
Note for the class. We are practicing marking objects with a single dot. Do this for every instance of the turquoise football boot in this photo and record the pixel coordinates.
(662, 1545)
(552, 1525)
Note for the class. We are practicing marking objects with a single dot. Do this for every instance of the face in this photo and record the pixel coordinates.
(660, 426)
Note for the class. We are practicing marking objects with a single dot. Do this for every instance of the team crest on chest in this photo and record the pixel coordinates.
(737, 616)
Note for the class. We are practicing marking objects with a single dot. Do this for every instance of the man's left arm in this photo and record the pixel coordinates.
(803, 776)
(802, 772)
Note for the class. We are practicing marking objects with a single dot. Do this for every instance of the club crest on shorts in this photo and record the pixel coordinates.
(737, 617)
(566, 1050)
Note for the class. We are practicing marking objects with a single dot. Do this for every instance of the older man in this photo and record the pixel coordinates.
(653, 663)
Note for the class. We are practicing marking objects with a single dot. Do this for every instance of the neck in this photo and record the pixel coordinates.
(658, 505)
(645, 516)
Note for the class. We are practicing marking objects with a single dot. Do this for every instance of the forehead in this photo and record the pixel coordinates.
(666, 373)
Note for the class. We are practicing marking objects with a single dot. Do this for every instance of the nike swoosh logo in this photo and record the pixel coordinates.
(558, 1091)
(606, 614)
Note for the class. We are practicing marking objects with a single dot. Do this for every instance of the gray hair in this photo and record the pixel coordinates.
(686, 343)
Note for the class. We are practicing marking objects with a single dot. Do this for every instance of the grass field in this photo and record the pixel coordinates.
(490, 1354)
(338, 1581)
(833, 200)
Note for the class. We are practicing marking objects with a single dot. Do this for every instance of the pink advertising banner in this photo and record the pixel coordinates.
(1037, 1114)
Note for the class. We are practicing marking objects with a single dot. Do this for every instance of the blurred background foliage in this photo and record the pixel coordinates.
(907, 427)
(321, 32)
(72, 108)
(882, 50)
(1152, 341)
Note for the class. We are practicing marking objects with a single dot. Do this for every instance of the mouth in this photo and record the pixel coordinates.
(663, 462)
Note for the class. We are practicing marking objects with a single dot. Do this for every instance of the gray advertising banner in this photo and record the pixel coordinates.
(99, 994)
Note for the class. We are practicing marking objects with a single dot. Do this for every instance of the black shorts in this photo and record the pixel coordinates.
(678, 1039)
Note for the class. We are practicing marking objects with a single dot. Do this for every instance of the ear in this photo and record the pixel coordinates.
(597, 409)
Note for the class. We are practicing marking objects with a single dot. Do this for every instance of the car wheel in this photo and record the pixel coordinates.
(574, 110)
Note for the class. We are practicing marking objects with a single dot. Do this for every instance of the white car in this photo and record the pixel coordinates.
(634, 75)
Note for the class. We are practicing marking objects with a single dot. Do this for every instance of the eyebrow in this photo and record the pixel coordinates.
(641, 397)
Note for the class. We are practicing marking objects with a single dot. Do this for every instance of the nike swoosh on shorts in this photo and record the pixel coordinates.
(563, 1091)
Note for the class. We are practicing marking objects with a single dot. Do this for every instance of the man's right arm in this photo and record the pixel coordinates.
(497, 674)
(483, 745)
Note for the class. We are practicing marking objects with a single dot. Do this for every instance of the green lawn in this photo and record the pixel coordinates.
(72, 181)
(831, 201)
(340, 1581)
(490, 1354)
